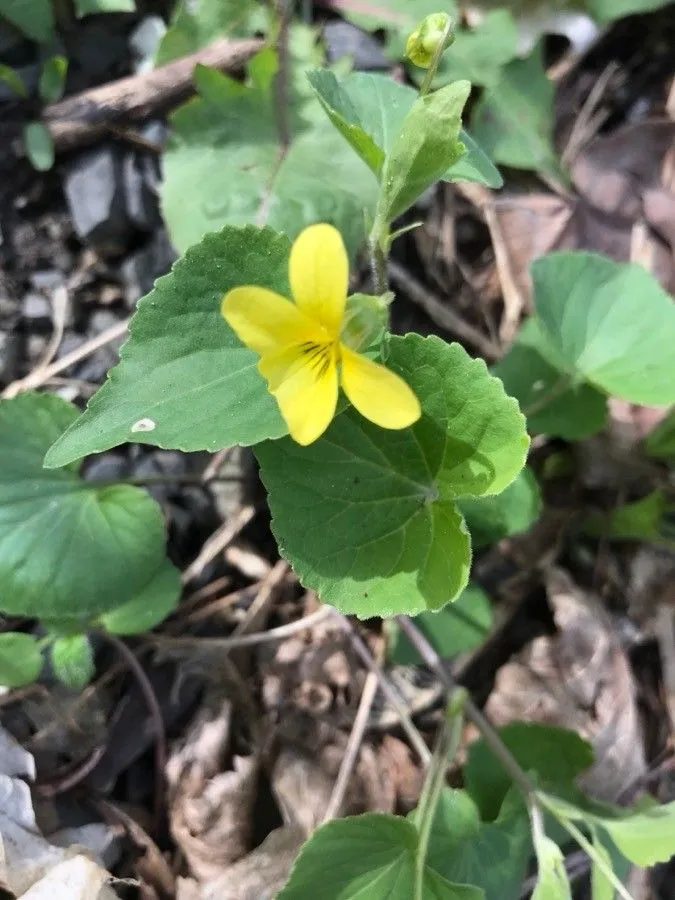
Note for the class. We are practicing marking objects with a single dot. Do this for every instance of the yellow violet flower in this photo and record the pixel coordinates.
(302, 356)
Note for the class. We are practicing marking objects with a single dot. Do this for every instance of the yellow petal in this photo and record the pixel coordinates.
(378, 394)
(265, 321)
(319, 275)
(304, 381)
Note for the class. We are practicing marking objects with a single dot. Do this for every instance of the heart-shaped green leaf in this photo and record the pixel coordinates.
(367, 517)
(369, 112)
(152, 605)
(611, 323)
(536, 375)
(20, 659)
(184, 380)
(68, 548)
(369, 856)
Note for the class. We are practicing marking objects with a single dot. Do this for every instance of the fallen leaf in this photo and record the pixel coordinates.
(578, 679)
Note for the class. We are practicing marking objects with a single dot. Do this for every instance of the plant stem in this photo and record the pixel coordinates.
(559, 387)
(473, 714)
(378, 261)
(446, 748)
(281, 79)
(435, 60)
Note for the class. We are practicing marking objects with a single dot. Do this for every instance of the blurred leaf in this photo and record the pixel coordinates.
(479, 54)
(364, 858)
(610, 10)
(20, 659)
(660, 444)
(73, 661)
(183, 375)
(97, 545)
(93, 7)
(225, 164)
(552, 880)
(34, 18)
(611, 323)
(555, 754)
(514, 511)
(12, 79)
(150, 607)
(53, 78)
(382, 535)
(492, 856)
(650, 519)
(426, 146)
(369, 111)
(39, 146)
(535, 375)
(458, 627)
(198, 23)
(513, 121)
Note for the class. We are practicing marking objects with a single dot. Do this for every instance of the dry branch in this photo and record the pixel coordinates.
(85, 117)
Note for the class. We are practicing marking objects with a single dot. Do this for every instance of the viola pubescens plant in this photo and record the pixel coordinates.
(373, 494)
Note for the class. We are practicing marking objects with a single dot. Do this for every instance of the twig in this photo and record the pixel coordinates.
(59, 784)
(155, 714)
(284, 9)
(217, 542)
(391, 694)
(353, 746)
(85, 117)
(441, 314)
(41, 376)
(244, 640)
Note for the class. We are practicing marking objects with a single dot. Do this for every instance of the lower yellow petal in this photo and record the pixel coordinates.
(304, 380)
(378, 394)
(265, 321)
(319, 274)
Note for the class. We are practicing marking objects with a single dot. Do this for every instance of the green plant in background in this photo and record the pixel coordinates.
(376, 496)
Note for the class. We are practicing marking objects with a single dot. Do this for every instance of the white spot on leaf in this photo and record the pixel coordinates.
(144, 425)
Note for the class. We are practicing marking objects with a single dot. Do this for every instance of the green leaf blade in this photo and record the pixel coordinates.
(183, 371)
(154, 602)
(20, 659)
(73, 661)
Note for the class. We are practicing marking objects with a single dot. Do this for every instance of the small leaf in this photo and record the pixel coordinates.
(53, 78)
(183, 370)
(611, 323)
(20, 659)
(34, 18)
(555, 754)
(649, 519)
(73, 661)
(369, 111)
(424, 149)
(39, 146)
(535, 375)
(513, 121)
(458, 627)
(552, 881)
(151, 606)
(514, 511)
(68, 548)
(660, 443)
(368, 856)
(479, 54)
(92, 7)
(382, 535)
(492, 856)
(196, 25)
(12, 79)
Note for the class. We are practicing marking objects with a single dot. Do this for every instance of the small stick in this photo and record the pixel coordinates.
(353, 746)
(85, 117)
(218, 541)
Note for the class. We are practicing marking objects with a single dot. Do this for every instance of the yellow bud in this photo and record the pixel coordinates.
(426, 39)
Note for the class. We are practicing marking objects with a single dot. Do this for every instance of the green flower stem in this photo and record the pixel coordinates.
(446, 748)
(433, 67)
(378, 257)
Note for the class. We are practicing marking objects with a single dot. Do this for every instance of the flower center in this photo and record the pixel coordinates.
(317, 357)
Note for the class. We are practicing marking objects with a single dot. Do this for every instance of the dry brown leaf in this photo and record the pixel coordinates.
(578, 679)
(258, 876)
(210, 807)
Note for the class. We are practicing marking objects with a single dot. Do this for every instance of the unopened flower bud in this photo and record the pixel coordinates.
(427, 38)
